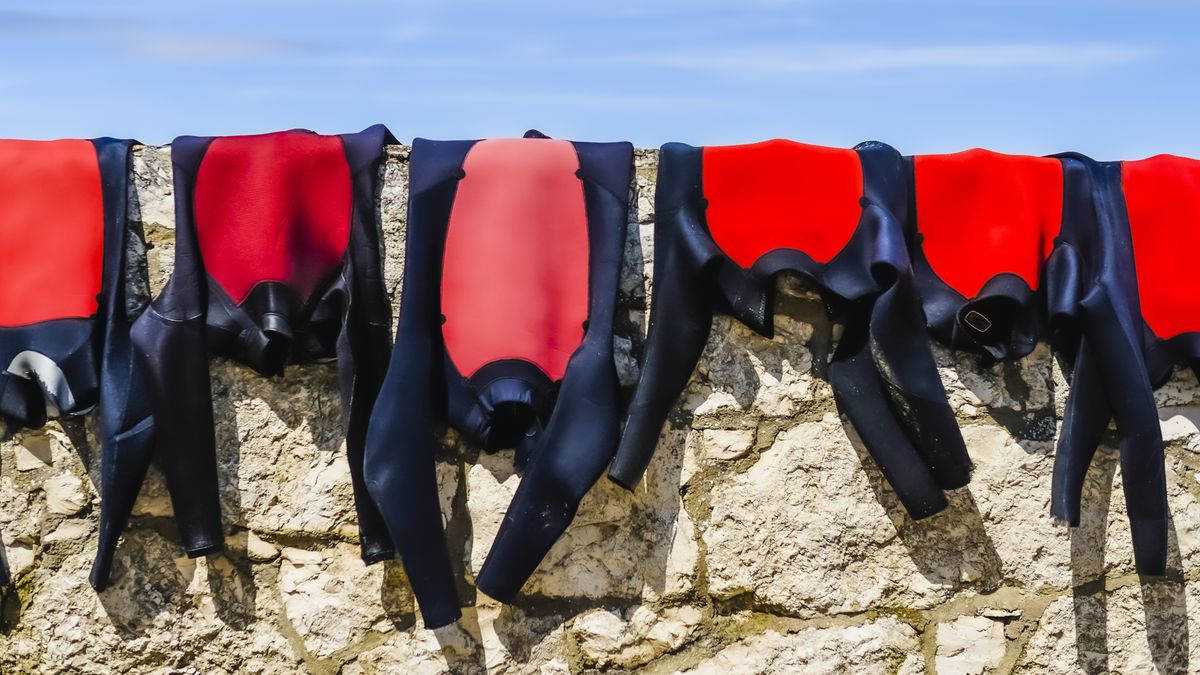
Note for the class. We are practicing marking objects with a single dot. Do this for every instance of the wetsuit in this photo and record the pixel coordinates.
(505, 332)
(729, 219)
(1134, 333)
(64, 336)
(277, 261)
(1015, 249)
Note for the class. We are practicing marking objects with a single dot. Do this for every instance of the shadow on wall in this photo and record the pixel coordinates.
(1163, 600)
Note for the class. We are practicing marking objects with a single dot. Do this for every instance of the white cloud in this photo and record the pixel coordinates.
(208, 49)
(846, 58)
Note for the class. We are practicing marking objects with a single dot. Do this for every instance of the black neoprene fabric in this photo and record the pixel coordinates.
(565, 431)
(1094, 308)
(883, 373)
(348, 318)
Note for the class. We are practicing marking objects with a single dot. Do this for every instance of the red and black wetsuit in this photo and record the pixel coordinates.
(277, 261)
(1015, 249)
(729, 220)
(505, 332)
(64, 335)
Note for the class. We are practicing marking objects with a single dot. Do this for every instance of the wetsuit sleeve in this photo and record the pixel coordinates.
(1085, 420)
(583, 431)
(885, 379)
(399, 467)
(680, 315)
(365, 341)
(862, 396)
(125, 422)
(170, 352)
(1109, 375)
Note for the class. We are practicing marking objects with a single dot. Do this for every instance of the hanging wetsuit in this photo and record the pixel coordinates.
(64, 336)
(729, 219)
(505, 332)
(1132, 336)
(1011, 251)
(277, 261)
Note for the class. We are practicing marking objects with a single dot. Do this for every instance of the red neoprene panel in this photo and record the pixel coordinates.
(1162, 195)
(275, 207)
(781, 195)
(982, 214)
(515, 273)
(51, 231)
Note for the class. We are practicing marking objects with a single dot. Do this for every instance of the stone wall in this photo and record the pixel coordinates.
(763, 539)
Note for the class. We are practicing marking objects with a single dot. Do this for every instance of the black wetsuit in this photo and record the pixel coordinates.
(277, 261)
(1124, 331)
(505, 332)
(63, 223)
(729, 220)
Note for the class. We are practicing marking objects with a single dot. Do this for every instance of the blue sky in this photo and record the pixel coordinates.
(1111, 79)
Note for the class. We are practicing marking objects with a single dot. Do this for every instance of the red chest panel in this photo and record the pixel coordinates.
(781, 195)
(982, 214)
(51, 231)
(275, 207)
(515, 271)
(1162, 195)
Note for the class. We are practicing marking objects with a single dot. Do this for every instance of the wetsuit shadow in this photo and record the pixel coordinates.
(230, 573)
(1164, 604)
(751, 369)
(145, 585)
(1029, 427)
(951, 548)
(1089, 597)
(1163, 599)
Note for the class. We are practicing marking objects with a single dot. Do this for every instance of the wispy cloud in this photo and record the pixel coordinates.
(554, 97)
(843, 58)
(128, 36)
(215, 49)
(761, 61)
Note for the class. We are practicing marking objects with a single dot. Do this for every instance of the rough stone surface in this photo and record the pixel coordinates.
(875, 647)
(969, 645)
(762, 540)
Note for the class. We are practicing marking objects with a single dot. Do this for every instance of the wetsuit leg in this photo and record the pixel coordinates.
(364, 345)
(575, 448)
(127, 430)
(1131, 398)
(680, 321)
(861, 395)
(398, 463)
(905, 360)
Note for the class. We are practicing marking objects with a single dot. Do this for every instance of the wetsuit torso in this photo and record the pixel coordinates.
(277, 261)
(63, 328)
(986, 224)
(729, 220)
(505, 332)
